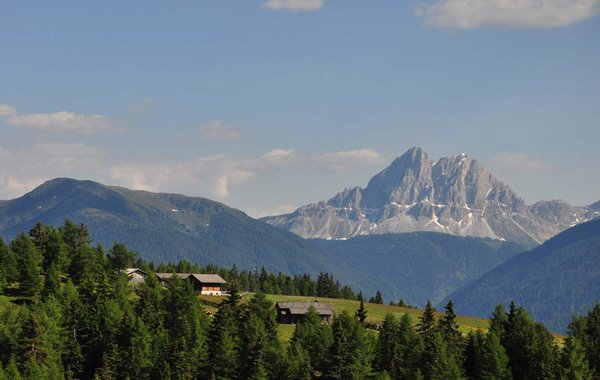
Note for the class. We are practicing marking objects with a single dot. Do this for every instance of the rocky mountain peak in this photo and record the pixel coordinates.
(407, 180)
(455, 195)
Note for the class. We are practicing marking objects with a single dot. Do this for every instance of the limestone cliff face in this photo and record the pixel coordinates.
(455, 195)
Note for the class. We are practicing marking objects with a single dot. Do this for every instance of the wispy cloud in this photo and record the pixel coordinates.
(212, 176)
(6, 110)
(519, 162)
(144, 106)
(472, 14)
(280, 209)
(62, 121)
(24, 168)
(218, 130)
(346, 160)
(294, 5)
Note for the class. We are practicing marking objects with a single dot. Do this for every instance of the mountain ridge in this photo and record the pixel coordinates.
(454, 195)
(553, 282)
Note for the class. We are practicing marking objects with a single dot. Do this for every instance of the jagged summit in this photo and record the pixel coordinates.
(454, 194)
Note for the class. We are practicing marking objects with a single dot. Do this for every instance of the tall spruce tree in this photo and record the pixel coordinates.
(451, 334)
(573, 361)
(427, 324)
(29, 259)
(350, 353)
(387, 351)
(494, 361)
(314, 337)
(361, 312)
(8, 263)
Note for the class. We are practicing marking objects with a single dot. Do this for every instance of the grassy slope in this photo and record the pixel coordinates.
(375, 313)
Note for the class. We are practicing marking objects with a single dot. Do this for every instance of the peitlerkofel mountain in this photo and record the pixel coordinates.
(454, 195)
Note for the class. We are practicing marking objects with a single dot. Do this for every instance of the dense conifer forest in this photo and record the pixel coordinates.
(69, 313)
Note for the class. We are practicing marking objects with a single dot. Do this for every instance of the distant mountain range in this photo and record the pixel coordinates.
(170, 227)
(454, 195)
(553, 282)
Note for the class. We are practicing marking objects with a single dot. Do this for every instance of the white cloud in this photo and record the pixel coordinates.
(294, 5)
(217, 130)
(24, 168)
(6, 110)
(59, 121)
(518, 162)
(211, 176)
(281, 209)
(472, 14)
(144, 106)
(346, 160)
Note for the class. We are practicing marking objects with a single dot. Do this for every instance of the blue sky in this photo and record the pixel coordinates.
(266, 105)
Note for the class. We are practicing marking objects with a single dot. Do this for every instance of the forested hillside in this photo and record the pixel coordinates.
(70, 313)
(554, 281)
(420, 266)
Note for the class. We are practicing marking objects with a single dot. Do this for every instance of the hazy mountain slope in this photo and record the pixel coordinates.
(555, 280)
(454, 195)
(422, 265)
(162, 227)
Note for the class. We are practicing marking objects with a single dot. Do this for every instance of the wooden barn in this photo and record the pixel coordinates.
(294, 312)
(208, 284)
(136, 275)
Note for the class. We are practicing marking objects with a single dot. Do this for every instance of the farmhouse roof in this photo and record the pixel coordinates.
(301, 308)
(133, 270)
(209, 278)
(203, 278)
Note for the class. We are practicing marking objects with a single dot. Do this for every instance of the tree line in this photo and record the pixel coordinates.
(82, 320)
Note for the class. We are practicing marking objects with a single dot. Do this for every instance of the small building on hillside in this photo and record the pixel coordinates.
(208, 284)
(136, 275)
(294, 312)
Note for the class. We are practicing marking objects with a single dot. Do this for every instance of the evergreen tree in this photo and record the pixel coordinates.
(51, 283)
(120, 257)
(327, 287)
(494, 361)
(314, 337)
(387, 350)
(55, 251)
(427, 326)
(30, 264)
(224, 339)
(361, 313)
(591, 338)
(71, 354)
(149, 305)
(3, 281)
(12, 371)
(530, 347)
(75, 236)
(137, 347)
(499, 321)
(377, 298)
(410, 347)
(573, 361)
(451, 334)
(437, 362)
(8, 264)
(299, 367)
(473, 364)
(350, 352)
